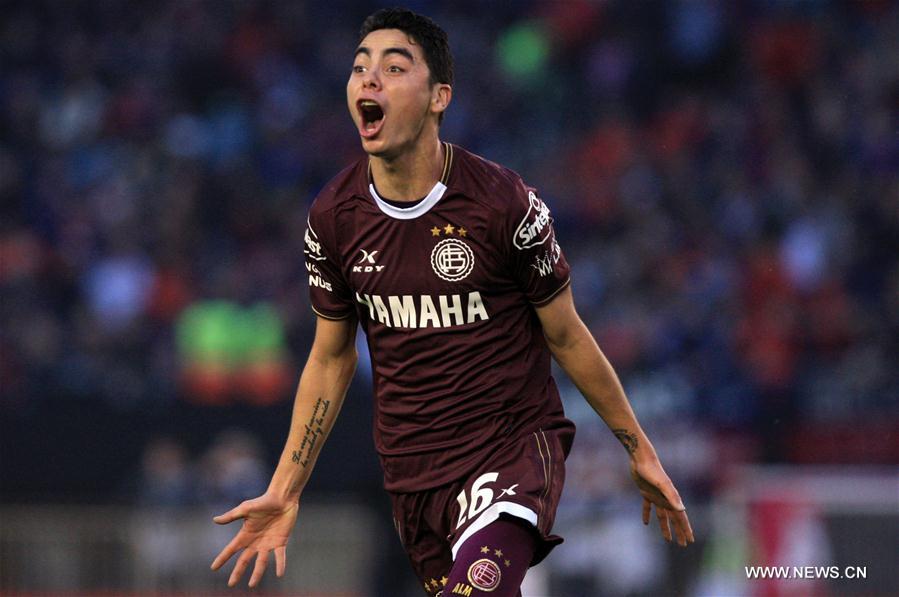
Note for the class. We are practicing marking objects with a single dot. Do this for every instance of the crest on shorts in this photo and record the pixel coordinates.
(452, 259)
(484, 575)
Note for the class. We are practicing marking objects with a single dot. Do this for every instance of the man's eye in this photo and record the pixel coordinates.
(358, 69)
(394, 69)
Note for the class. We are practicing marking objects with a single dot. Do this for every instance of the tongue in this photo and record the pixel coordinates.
(372, 127)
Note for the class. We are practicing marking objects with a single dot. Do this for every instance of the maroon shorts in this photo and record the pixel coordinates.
(522, 479)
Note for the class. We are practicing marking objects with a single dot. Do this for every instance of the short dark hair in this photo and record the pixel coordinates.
(424, 31)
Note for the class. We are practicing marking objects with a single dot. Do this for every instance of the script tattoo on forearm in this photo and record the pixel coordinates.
(302, 455)
(627, 439)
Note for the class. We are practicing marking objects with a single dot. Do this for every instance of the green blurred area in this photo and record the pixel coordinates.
(522, 51)
(226, 334)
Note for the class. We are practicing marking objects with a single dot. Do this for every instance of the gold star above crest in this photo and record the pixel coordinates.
(462, 232)
(434, 583)
(448, 228)
(498, 552)
(443, 581)
(508, 563)
(435, 231)
(485, 549)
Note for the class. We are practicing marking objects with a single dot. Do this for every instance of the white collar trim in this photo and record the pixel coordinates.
(409, 213)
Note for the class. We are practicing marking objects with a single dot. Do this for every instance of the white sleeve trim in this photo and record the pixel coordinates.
(490, 515)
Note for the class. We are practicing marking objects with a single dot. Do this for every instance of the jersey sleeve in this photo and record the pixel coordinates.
(329, 293)
(537, 262)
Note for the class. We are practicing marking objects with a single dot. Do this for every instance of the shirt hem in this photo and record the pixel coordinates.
(543, 301)
(331, 317)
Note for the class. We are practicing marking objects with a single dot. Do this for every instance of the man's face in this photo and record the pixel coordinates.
(389, 93)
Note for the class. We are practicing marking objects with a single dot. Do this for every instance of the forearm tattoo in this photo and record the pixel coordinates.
(302, 455)
(627, 439)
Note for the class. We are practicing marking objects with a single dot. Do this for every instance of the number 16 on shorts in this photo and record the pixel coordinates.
(481, 498)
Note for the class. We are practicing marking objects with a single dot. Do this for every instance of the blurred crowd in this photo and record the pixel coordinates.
(723, 177)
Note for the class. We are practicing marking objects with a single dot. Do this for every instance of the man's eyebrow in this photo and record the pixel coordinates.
(387, 51)
(401, 52)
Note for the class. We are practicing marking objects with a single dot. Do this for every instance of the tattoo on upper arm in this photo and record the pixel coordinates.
(627, 439)
(302, 455)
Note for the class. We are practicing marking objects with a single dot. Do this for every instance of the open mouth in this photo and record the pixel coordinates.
(372, 117)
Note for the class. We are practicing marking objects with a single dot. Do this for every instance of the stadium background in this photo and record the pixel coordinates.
(723, 178)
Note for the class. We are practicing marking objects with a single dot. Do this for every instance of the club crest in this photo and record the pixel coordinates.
(484, 575)
(452, 259)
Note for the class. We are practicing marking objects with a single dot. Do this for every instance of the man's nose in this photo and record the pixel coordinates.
(370, 80)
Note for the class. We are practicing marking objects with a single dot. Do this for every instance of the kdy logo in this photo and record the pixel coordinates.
(367, 263)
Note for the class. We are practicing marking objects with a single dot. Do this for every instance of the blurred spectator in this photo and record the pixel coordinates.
(232, 470)
(167, 477)
(166, 486)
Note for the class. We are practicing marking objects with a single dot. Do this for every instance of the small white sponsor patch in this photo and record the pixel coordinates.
(545, 261)
(313, 248)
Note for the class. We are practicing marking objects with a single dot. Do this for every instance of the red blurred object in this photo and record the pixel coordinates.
(786, 52)
(572, 22)
(875, 442)
(170, 295)
(264, 383)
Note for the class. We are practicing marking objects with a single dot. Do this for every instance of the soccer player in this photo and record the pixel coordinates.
(450, 264)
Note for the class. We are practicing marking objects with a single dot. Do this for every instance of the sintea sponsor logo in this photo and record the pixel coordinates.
(535, 227)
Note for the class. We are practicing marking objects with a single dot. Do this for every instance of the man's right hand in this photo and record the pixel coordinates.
(267, 524)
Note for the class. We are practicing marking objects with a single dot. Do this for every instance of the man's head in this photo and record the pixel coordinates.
(401, 80)
(423, 31)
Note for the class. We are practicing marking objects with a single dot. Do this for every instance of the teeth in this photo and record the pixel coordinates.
(368, 103)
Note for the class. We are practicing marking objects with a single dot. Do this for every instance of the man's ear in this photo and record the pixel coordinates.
(441, 96)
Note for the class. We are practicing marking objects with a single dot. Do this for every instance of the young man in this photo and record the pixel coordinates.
(450, 264)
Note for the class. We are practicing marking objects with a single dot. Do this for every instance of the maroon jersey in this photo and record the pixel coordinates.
(444, 291)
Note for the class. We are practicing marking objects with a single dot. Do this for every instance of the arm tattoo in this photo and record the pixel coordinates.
(302, 455)
(627, 439)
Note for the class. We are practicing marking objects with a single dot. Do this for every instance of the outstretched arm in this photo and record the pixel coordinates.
(576, 351)
(270, 518)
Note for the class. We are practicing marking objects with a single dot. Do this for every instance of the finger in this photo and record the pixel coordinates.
(647, 507)
(662, 515)
(259, 568)
(242, 562)
(679, 534)
(231, 515)
(280, 561)
(233, 547)
(672, 496)
(682, 526)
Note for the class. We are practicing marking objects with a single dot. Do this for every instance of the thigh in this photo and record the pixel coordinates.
(522, 480)
(426, 546)
(494, 560)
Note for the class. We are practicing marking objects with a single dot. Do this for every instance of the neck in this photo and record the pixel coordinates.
(411, 175)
